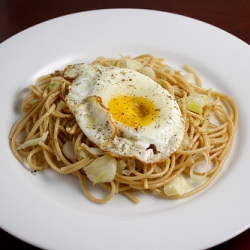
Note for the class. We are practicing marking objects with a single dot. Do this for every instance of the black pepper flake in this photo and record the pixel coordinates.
(33, 172)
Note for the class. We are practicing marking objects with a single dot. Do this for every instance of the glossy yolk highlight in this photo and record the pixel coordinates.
(133, 111)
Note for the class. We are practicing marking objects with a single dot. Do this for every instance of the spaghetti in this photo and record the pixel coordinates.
(48, 135)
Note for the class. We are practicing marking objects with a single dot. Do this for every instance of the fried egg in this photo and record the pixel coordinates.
(124, 112)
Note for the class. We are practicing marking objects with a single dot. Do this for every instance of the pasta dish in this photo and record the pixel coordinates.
(127, 125)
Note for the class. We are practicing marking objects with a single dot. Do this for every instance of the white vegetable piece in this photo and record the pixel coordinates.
(34, 142)
(189, 77)
(148, 71)
(195, 102)
(131, 64)
(102, 169)
(68, 150)
(178, 186)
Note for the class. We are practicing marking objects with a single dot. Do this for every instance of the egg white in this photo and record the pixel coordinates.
(88, 99)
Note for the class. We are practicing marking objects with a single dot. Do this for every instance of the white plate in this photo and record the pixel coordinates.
(49, 210)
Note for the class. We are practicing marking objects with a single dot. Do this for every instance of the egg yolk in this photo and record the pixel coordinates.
(133, 111)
